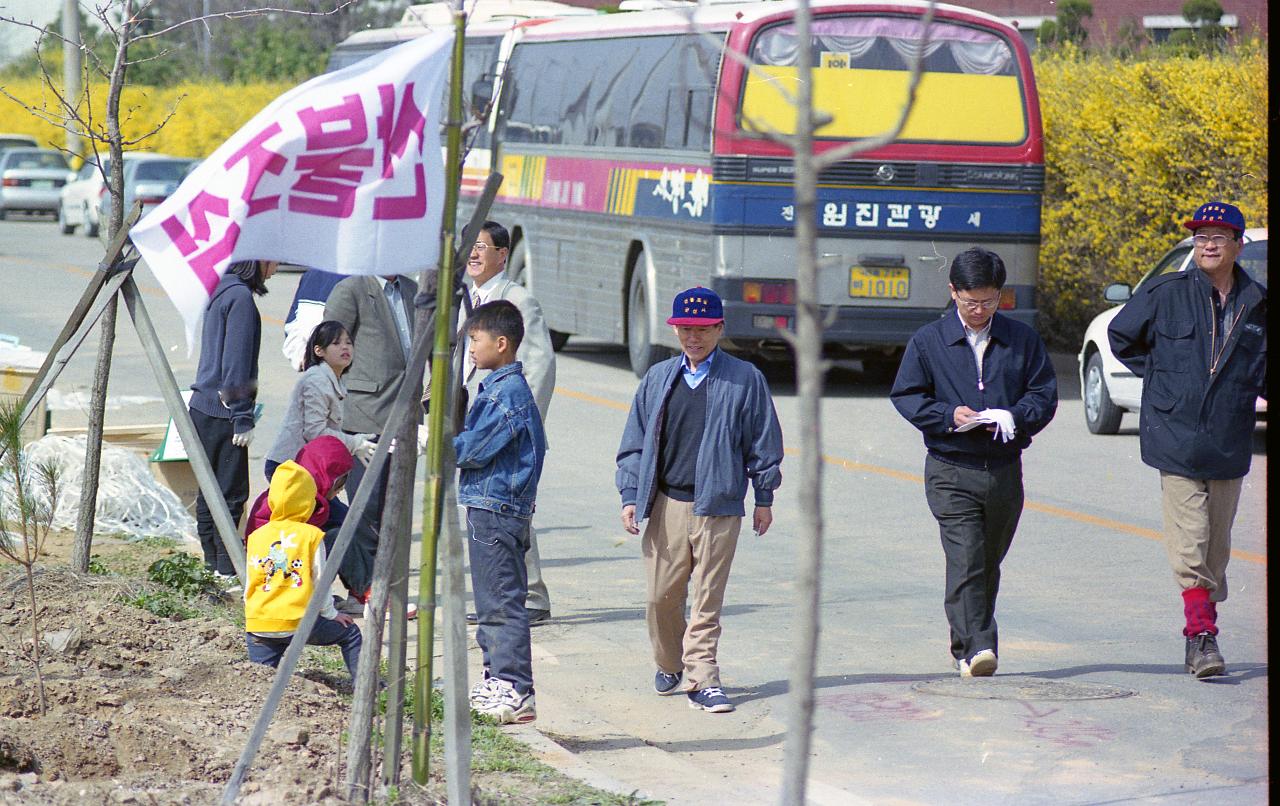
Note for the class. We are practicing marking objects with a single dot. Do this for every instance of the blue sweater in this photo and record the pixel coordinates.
(939, 374)
(227, 377)
(741, 439)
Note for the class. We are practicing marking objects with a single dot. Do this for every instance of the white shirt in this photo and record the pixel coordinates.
(978, 340)
(479, 296)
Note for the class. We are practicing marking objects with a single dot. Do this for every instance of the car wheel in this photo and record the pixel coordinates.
(1100, 414)
(90, 226)
(641, 350)
(63, 226)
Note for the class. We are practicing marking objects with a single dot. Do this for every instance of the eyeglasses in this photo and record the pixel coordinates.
(482, 247)
(1216, 240)
(978, 304)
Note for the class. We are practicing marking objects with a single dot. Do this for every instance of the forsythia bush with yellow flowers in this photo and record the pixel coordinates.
(203, 115)
(1131, 149)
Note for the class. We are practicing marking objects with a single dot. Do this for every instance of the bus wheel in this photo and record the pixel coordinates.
(640, 347)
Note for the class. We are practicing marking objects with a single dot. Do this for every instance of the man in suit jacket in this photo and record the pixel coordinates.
(378, 313)
(488, 282)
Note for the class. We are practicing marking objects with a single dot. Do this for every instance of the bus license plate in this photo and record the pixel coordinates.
(879, 283)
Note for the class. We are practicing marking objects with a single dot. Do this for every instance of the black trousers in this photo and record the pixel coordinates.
(364, 547)
(231, 469)
(977, 512)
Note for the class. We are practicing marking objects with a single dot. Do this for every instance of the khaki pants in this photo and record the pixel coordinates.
(682, 548)
(1198, 514)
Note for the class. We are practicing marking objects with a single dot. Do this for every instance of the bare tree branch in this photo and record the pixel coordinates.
(241, 14)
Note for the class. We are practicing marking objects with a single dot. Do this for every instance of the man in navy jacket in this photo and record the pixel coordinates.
(701, 426)
(1198, 339)
(978, 385)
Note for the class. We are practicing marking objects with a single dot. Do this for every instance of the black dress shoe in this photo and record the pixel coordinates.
(538, 616)
(1203, 658)
(472, 618)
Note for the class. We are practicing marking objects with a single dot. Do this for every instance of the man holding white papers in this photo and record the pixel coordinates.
(978, 385)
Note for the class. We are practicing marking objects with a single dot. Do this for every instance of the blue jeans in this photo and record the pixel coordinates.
(269, 651)
(496, 545)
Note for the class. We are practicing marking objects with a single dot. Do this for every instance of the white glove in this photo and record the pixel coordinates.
(365, 452)
(1001, 418)
(423, 433)
(242, 439)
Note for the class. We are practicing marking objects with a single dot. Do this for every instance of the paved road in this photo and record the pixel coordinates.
(1087, 609)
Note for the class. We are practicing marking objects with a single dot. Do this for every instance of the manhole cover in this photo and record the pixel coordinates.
(1019, 688)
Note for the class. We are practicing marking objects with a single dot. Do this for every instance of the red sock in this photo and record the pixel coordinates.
(362, 598)
(1201, 614)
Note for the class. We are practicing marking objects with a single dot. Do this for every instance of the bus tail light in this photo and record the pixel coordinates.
(10, 182)
(772, 293)
(1008, 299)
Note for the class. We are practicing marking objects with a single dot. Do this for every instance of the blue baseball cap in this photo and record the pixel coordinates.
(696, 307)
(1216, 214)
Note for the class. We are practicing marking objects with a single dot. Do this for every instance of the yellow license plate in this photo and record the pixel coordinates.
(879, 283)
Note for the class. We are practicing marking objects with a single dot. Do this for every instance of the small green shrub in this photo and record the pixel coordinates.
(96, 566)
(184, 574)
(165, 604)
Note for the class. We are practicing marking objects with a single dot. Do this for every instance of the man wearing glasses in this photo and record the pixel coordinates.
(978, 385)
(1198, 340)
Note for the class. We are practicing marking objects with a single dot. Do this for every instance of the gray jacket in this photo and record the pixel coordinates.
(314, 410)
(741, 440)
(378, 365)
(535, 351)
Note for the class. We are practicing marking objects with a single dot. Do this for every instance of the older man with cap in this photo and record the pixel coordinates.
(1198, 339)
(701, 426)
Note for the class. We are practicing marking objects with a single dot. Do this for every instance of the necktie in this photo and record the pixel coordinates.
(470, 368)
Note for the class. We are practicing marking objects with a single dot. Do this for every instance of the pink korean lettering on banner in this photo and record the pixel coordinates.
(343, 172)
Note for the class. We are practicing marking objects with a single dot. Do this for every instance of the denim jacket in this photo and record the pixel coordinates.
(501, 447)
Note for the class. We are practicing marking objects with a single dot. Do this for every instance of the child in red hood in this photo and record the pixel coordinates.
(328, 461)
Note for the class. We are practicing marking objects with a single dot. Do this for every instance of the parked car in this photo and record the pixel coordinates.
(82, 197)
(1108, 387)
(31, 179)
(148, 180)
(17, 141)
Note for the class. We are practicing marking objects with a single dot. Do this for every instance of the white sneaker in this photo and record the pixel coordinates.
(982, 664)
(481, 693)
(507, 705)
(230, 583)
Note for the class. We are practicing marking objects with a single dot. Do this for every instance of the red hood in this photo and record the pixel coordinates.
(327, 460)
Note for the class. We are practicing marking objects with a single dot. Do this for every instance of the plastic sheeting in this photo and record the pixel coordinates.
(131, 502)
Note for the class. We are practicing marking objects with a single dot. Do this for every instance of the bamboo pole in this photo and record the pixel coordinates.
(432, 496)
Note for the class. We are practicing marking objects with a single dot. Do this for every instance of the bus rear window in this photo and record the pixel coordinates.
(970, 89)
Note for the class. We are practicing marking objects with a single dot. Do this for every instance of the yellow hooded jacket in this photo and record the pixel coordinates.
(281, 555)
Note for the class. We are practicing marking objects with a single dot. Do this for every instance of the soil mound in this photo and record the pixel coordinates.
(143, 709)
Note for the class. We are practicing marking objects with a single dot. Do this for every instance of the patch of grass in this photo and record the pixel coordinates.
(155, 542)
(97, 566)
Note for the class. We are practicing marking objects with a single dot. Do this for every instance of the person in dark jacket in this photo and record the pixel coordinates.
(224, 393)
(701, 426)
(978, 385)
(1198, 339)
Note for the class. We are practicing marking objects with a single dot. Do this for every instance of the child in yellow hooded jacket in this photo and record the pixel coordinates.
(285, 558)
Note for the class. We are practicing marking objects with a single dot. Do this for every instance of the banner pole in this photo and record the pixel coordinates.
(433, 492)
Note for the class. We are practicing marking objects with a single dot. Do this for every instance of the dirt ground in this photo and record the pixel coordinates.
(144, 709)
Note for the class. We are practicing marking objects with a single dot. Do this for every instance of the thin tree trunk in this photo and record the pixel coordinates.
(102, 370)
(35, 628)
(809, 372)
(83, 544)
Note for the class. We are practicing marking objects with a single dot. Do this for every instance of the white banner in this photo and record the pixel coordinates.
(343, 173)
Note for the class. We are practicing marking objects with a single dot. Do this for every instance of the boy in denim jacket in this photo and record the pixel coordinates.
(500, 452)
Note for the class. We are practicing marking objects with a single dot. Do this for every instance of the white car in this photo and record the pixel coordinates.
(79, 204)
(1108, 387)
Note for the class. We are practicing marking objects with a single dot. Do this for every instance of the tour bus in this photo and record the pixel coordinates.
(635, 165)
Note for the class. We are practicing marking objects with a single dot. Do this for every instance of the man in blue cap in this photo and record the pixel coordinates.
(1198, 340)
(701, 426)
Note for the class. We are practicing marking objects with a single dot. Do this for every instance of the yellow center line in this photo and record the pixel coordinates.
(148, 290)
(863, 467)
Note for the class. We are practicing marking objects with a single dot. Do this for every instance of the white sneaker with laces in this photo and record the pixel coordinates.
(982, 664)
(507, 705)
(481, 693)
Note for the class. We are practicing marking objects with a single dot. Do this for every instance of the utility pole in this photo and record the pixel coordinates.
(71, 65)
